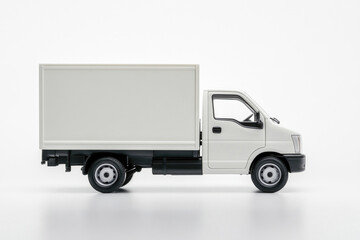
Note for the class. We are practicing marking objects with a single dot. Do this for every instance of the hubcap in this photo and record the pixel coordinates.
(106, 174)
(269, 174)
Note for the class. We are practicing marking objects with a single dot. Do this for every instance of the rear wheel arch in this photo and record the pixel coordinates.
(95, 156)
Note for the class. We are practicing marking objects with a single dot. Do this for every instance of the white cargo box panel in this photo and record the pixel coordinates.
(119, 107)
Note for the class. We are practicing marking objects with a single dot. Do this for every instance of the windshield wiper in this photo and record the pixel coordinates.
(275, 120)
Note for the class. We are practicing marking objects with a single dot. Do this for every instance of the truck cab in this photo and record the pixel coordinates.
(238, 134)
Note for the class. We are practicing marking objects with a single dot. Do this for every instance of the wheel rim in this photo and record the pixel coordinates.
(269, 174)
(106, 174)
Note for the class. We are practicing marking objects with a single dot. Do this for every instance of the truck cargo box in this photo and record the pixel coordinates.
(119, 107)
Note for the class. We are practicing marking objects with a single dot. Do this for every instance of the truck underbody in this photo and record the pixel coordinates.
(161, 162)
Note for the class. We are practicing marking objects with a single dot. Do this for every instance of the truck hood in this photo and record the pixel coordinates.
(278, 138)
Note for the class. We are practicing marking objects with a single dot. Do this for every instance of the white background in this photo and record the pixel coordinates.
(300, 60)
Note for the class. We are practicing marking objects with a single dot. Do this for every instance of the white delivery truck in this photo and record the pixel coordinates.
(114, 120)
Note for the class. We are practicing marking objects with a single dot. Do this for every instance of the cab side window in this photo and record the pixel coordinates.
(232, 108)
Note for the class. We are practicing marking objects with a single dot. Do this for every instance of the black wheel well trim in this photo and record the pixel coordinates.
(94, 156)
(269, 154)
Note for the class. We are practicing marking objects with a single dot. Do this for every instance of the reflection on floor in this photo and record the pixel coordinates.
(177, 211)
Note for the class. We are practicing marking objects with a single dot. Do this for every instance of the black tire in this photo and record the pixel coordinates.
(269, 174)
(127, 179)
(106, 174)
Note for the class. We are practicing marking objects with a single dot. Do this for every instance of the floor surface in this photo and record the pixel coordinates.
(182, 207)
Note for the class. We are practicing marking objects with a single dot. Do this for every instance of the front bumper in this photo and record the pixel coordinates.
(296, 162)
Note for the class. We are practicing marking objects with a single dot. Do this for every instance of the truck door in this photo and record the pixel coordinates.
(235, 130)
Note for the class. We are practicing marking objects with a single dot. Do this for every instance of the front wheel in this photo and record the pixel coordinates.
(269, 174)
(107, 174)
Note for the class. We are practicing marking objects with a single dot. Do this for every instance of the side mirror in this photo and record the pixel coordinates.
(259, 123)
(257, 116)
(256, 124)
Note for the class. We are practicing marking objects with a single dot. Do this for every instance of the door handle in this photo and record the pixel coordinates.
(216, 129)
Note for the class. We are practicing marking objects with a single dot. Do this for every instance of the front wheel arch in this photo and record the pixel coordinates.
(269, 154)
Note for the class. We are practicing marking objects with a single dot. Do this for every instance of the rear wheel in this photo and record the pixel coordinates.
(128, 179)
(269, 174)
(106, 174)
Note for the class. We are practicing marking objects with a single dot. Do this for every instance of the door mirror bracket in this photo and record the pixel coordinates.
(258, 122)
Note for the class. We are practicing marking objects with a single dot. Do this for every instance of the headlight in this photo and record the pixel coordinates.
(297, 143)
